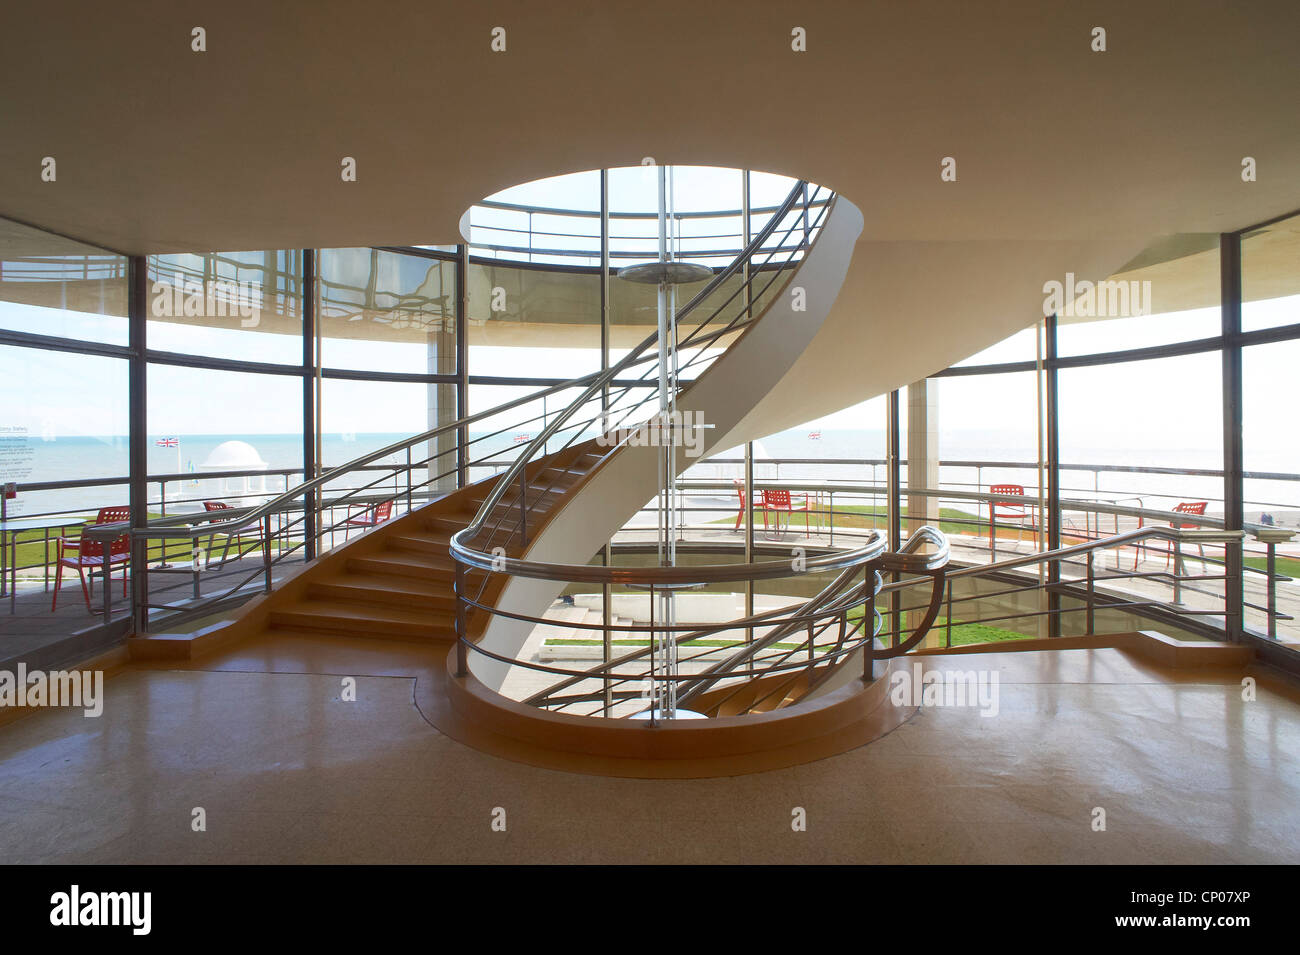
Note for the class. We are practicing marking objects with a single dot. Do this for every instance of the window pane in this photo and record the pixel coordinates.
(1022, 346)
(533, 322)
(1271, 458)
(202, 422)
(1138, 441)
(1169, 293)
(385, 311)
(358, 417)
(54, 286)
(987, 435)
(64, 418)
(1270, 276)
(241, 305)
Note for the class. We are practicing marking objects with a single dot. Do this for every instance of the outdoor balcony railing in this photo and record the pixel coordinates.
(842, 512)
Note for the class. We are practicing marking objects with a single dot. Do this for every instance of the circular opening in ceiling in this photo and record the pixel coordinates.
(558, 220)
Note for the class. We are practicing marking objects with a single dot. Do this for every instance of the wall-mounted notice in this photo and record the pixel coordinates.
(16, 457)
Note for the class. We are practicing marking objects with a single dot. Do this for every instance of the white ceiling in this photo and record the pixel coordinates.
(1067, 159)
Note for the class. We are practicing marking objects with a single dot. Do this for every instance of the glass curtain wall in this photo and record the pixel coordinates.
(252, 380)
(64, 432)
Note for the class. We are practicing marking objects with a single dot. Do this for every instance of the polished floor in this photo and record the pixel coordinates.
(287, 771)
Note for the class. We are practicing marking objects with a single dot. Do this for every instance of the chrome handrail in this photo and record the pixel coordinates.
(459, 541)
(1104, 543)
(833, 602)
(669, 577)
(277, 503)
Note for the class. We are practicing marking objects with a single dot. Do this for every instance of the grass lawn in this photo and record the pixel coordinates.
(965, 633)
(962, 635)
(1286, 566)
(951, 520)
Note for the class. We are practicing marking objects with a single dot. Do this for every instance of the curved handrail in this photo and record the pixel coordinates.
(1102, 543)
(669, 577)
(278, 502)
(459, 542)
(833, 602)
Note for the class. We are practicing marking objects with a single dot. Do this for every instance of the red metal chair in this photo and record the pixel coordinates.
(779, 502)
(1196, 508)
(83, 555)
(1005, 510)
(370, 516)
(740, 512)
(237, 537)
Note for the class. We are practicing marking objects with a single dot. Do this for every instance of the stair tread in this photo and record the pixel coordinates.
(400, 583)
(343, 609)
(411, 558)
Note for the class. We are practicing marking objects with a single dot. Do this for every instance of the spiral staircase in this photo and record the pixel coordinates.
(472, 569)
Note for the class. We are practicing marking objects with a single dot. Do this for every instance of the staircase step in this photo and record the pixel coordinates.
(364, 620)
(406, 563)
(548, 486)
(448, 524)
(386, 589)
(431, 541)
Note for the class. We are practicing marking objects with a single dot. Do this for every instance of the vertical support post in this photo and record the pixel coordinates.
(654, 659)
(869, 624)
(607, 641)
(1177, 547)
(1270, 568)
(605, 330)
(948, 615)
(1092, 590)
(138, 428)
(922, 452)
(523, 505)
(745, 238)
(749, 534)
(310, 368)
(892, 484)
(266, 553)
(108, 578)
(462, 363)
(1233, 505)
(462, 663)
(1053, 516)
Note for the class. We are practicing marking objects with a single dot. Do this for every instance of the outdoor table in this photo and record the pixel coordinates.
(9, 531)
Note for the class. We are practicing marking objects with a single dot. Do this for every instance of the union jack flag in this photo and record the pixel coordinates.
(522, 438)
(168, 443)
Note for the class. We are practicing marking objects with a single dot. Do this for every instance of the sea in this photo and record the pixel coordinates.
(810, 456)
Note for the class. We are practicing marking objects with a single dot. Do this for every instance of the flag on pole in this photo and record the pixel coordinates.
(168, 443)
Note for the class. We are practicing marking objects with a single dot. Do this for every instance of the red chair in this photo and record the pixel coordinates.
(369, 516)
(1005, 510)
(237, 537)
(1196, 508)
(740, 512)
(83, 555)
(779, 502)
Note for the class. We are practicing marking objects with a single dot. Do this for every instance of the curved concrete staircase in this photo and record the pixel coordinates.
(396, 581)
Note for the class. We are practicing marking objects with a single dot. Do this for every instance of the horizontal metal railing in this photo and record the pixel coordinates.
(1093, 592)
(807, 641)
